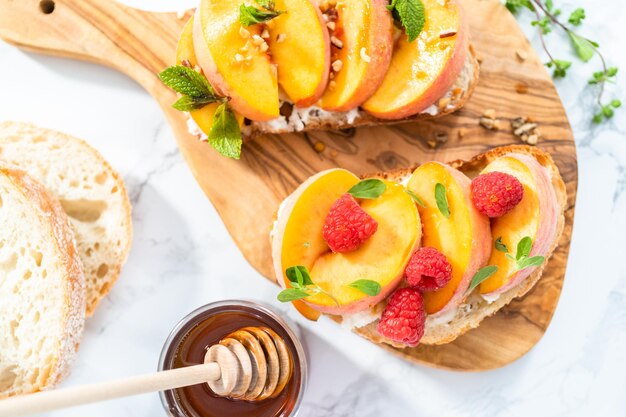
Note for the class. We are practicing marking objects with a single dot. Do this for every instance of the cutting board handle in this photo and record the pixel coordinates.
(102, 31)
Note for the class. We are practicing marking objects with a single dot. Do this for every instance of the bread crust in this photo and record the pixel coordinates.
(477, 308)
(51, 212)
(115, 266)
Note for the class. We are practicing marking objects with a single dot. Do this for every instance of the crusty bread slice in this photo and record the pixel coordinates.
(294, 119)
(92, 194)
(42, 287)
(469, 314)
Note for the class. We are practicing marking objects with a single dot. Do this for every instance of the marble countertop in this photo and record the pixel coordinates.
(183, 257)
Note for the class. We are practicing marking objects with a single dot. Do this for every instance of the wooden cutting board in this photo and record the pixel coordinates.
(247, 193)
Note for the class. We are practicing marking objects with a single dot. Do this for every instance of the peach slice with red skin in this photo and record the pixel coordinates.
(535, 216)
(422, 71)
(185, 52)
(382, 258)
(464, 237)
(365, 29)
(300, 46)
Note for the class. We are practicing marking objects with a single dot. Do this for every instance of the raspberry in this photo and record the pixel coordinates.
(404, 317)
(494, 194)
(347, 225)
(428, 270)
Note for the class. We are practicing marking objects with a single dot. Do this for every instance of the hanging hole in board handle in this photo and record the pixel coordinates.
(46, 6)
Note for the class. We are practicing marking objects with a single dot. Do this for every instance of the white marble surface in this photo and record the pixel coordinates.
(183, 257)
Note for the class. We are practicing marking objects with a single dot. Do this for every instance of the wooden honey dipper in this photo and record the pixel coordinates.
(250, 364)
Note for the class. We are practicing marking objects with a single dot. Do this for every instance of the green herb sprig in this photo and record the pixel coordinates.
(225, 134)
(410, 14)
(415, 197)
(250, 15)
(521, 259)
(370, 189)
(442, 200)
(547, 18)
(302, 286)
(481, 275)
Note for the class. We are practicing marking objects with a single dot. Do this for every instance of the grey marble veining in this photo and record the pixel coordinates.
(183, 257)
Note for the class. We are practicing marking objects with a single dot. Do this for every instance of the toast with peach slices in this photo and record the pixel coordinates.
(328, 66)
(460, 304)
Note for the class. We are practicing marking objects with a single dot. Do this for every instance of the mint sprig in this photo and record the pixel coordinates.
(371, 188)
(410, 14)
(481, 275)
(250, 15)
(442, 200)
(225, 134)
(302, 286)
(415, 197)
(366, 286)
(521, 259)
(547, 18)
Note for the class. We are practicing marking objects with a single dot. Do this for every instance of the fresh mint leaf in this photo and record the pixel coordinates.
(528, 262)
(411, 15)
(186, 103)
(482, 275)
(584, 47)
(577, 16)
(370, 189)
(299, 274)
(560, 68)
(501, 246)
(523, 247)
(611, 72)
(442, 200)
(225, 134)
(544, 23)
(616, 103)
(249, 15)
(549, 5)
(515, 5)
(415, 197)
(188, 82)
(607, 111)
(291, 294)
(366, 286)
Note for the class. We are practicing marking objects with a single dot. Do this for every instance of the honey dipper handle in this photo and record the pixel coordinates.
(69, 397)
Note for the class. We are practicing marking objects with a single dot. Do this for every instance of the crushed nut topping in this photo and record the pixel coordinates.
(490, 114)
(337, 65)
(447, 34)
(336, 42)
(239, 58)
(331, 25)
(265, 34)
(525, 129)
(244, 33)
(257, 40)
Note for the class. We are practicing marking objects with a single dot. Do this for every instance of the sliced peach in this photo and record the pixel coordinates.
(220, 49)
(298, 241)
(422, 71)
(464, 237)
(365, 29)
(300, 46)
(535, 216)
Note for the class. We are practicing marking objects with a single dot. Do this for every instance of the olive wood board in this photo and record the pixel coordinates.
(247, 193)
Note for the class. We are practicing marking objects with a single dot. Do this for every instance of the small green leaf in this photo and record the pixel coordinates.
(549, 5)
(188, 82)
(482, 275)
(577, 16)
(560, 68)
(515, 5)
(528, 262)
(442, 200)
(299, 274)
(501, 246)
(583, 47)
(523, 247)
(187, 103)
(415, 197)
(607, 111)
(411, 15)
(366, 286)
(598, 118)
(611, 72)
(249, 15)
(291, 294)
(370, 189)
(225, 134)
(616, 103)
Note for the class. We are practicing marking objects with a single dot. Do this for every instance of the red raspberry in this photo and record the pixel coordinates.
(494, 194)
(347, 225)
(404, 317)
(428, 270)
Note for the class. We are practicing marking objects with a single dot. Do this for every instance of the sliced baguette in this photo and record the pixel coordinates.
(42, 287)
(92, 194)
(470, 313)
(314, 118)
